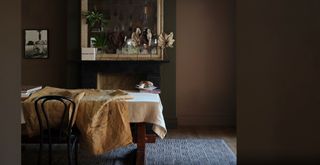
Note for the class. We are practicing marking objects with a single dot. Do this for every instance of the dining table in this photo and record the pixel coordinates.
(144, 109)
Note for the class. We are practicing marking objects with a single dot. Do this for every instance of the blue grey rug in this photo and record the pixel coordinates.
(163, 152)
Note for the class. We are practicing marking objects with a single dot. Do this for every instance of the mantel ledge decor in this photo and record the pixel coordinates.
(124, 31)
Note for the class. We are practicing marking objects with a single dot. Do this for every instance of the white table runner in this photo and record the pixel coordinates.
(147, 107)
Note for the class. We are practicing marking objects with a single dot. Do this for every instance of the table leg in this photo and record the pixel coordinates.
(141, 142)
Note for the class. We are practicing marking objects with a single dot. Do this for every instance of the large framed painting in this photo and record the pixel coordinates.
(36, 44)
(122, 29)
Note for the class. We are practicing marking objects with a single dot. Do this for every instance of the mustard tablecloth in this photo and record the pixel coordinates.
(101, 116)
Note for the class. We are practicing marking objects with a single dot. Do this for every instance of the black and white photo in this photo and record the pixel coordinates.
(36, 43)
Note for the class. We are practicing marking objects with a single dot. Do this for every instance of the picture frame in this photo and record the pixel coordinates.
(36, 44)
(123, 30)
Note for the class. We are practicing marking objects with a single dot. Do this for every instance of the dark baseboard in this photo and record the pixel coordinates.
(208, 120)
(171, 122)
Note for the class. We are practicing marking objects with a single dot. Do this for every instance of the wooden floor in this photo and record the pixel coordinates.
(227, 134)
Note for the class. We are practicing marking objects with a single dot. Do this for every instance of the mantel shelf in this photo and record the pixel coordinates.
(126, 61)
(118, 61)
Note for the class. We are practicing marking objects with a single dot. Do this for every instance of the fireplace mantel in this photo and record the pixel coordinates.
(148, 70)
(126, 61)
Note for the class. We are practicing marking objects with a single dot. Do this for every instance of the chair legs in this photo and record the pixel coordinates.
(50, 154)
(40, 154)
(76, 152)
(72, 153)
(69, 154)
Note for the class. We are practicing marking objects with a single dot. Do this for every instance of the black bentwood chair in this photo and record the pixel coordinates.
(60, 134)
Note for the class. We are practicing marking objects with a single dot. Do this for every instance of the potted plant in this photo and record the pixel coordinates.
(100, 42)
(95, 19)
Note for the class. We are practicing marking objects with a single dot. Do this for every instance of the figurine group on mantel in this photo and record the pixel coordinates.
(131, 30)
(141, 41)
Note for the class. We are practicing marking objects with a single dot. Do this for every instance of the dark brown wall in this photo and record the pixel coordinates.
(205, 62)
(10, 51)
(51, 15)
(168, 70)
(63, 21)
(278, 82)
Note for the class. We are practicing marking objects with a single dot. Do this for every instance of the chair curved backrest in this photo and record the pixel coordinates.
(63, 132)
(65, 124)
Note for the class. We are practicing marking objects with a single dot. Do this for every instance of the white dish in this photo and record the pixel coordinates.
(149, 88)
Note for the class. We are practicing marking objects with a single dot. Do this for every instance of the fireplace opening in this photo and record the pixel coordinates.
(119, 75)
(126, 81)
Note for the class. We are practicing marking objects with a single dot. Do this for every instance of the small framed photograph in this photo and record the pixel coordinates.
(36, 44)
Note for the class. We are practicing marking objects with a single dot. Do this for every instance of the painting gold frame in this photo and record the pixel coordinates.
(119, 57)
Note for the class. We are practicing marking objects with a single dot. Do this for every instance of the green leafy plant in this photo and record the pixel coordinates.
(100, 41)
(95, 18)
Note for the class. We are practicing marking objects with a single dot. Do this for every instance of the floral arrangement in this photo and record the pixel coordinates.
(144, 42)
(165, 40)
